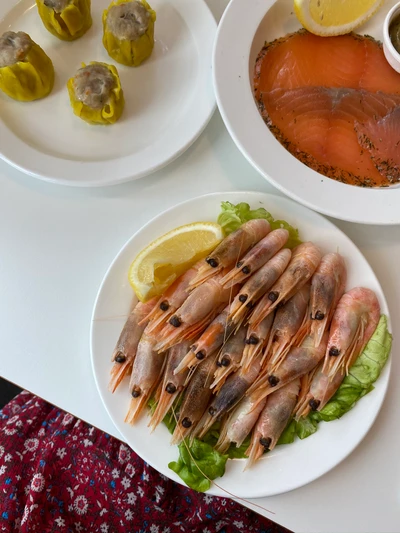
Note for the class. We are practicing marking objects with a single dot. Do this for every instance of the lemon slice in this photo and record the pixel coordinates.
(334, 17)
(166, 258)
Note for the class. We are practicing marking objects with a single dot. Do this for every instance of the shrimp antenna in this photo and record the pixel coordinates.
(211, 480)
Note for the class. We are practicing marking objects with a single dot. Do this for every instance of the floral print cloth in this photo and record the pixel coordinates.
(59, 474)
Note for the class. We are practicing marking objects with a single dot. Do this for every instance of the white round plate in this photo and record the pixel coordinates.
(286, 467)
(243, 29)
(169, 100)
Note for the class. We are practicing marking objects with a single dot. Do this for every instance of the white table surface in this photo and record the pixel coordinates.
(55, 246)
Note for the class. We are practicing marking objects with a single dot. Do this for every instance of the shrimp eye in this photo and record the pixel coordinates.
(238, 265)
(218, 364)
(186, 422)
(246, 270)
(243, 298)
(249, 305)
(252, 340)
(334, 351)
(200, 355)
(266, 442)
(319, 315)
(273, 381)
(273, 296)
(225, 361)
(175, 321)
(170, 388)
(212, 410)
(314, 404)
(136, 393)
(120, 358)
(212, 262)
(164, 306)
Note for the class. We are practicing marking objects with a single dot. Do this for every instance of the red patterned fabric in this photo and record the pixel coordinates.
(59, 474)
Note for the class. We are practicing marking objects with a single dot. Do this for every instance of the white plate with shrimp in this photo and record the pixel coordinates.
(287, 467)
(169, 100)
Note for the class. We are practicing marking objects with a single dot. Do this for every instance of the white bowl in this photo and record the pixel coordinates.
(233, 61)
(391, 54)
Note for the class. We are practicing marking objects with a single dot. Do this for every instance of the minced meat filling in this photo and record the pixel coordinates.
(128, 21)
(14, 47)
(93, 85)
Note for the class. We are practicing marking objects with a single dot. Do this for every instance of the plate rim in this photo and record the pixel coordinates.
(213, 490)
(228, 79)
(45, 166)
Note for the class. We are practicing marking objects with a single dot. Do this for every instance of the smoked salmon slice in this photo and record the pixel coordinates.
(322, 127)
(381, 139)
(334, 103)
(303, 59)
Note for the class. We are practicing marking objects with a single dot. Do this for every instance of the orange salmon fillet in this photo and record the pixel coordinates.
(321, 95)
(318, 126)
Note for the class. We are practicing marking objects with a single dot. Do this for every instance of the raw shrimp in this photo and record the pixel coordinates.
(327, 287)
(146, 374)
(170, 300)
(262, 252)
(305, 260)
(231, 249)
(171, 385)
(288, 321)
(272, 421)
(258, 285)
(125, 349)
(298, 362)
(320, 390)
(210, 340)
(229, 357)
(229, 395)
(196, 397)
(194, 315)
(354, 321)
(257, 338)
(239, 423)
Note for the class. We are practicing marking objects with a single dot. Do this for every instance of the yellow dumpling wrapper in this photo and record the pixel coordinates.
(109, 113)
(129, 53)
(73, 21)
(30, 79)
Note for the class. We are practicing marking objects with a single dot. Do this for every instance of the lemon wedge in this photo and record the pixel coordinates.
(166, 258)
(334, 17)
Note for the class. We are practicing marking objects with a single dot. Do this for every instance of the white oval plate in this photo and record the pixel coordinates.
(243, 29)
(286, 467)
(169, 100)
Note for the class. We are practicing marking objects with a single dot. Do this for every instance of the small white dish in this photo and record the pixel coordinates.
(169, 100)
(235, 52)
(391, 54)
(286, 467)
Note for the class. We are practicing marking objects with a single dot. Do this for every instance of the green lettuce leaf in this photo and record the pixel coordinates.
(289, 433)
(233, 216)
(238, 453)
(198, 464)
